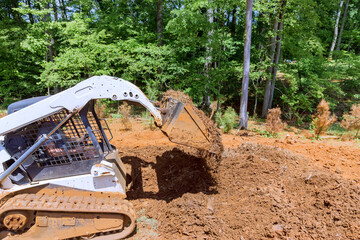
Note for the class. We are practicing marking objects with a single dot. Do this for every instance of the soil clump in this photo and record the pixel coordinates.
(214, 152)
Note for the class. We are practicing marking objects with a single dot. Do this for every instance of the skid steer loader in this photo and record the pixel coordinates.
(60, 176)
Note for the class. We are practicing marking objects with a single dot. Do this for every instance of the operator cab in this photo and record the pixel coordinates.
(72, 150)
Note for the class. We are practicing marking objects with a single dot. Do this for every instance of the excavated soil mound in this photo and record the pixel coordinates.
(262, 192)
(213, 154)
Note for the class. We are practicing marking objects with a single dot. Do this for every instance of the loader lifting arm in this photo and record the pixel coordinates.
(59, 174)
(75, 98)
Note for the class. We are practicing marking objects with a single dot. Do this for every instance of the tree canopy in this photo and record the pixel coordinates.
(190, 45)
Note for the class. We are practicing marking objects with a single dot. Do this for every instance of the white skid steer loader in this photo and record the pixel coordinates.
(60, 177)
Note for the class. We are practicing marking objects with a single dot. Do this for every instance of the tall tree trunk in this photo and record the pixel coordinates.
(46, 18)
(31, 17)
(342, 25)
(278, 51)
(267, 93)
(159, 22)
(63, 9)
(336, 29)
(261, 27)
(16, 14)
(233, 23)
(51, 50)
(47, 6)
(275, 55)
(228, 14)
(208, 60)
(243, 118)
(55, 10)
(256, 95)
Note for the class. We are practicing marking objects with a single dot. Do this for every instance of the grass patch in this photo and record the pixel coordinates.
(336, 129)
(148, 120)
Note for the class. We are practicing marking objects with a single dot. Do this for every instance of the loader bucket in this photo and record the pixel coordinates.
(183, 126)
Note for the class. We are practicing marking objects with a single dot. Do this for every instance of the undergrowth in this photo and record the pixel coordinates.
(101, 109)
(125, 111)
(337, 129)
(265, 133)
(351, 120)
(148, 120)
(273, 121)
(227, 120)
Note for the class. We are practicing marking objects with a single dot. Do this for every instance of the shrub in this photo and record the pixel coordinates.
(125, 111)
(227, 120)
(273, 121)
(322, 119)
(148, 120)
(351, 121)
(100, 109)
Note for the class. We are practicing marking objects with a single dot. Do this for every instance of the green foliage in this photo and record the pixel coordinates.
(311, 79)
(265, 133)
(227, 120)
(19, 69)
(148, 120)
(119, 38)
(336, 129)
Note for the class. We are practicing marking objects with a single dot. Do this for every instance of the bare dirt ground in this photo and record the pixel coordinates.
(281, 188)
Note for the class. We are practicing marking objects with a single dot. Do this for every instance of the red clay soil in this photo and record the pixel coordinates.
(338, 157)
(264, 188)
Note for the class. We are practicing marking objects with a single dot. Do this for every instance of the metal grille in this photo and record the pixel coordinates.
(68, 144)
(94, 126)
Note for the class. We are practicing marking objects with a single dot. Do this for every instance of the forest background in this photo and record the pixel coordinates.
(302, 51)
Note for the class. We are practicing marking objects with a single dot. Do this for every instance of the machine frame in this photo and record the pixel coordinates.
(103, 172)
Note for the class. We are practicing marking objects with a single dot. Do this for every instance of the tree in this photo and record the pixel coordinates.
(268, 87)
(277, 54)
(336, 29)
(342, 25)
(275, 50)
(159, 21)
(208, 59)
(194, 46)
(243, 119)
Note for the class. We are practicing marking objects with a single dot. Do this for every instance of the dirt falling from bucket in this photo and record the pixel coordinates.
(214, 152)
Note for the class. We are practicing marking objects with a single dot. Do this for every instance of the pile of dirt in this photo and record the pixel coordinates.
(279, 194)
(261, 192)
(214, 153)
